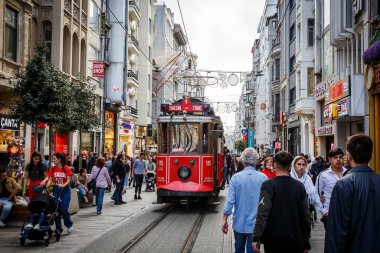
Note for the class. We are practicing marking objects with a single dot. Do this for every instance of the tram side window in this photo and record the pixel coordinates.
(205, 138)
(163, 139)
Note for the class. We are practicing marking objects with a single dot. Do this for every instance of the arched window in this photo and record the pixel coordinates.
(66, 50)
(47, 37)
(75, 57)
(83, 59)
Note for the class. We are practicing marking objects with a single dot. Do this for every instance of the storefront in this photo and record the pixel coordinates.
(293, 134)
(109, 132)
(373, 86)
(326, 141)
(9, 132)
(126, 133)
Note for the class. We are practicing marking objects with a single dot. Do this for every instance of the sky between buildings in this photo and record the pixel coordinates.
(221, 33)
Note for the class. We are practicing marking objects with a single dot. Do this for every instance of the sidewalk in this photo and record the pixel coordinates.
(87, 225)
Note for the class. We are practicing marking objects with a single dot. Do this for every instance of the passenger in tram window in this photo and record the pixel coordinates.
(353, 225)
(243, 197)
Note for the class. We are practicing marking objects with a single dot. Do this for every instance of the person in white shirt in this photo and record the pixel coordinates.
(326, 180)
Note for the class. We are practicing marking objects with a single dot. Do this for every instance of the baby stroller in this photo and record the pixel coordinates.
(150, 178)
(42, 203)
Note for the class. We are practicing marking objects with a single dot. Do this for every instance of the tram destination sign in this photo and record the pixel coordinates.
(186, 106)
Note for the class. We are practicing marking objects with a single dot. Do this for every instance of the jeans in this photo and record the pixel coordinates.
(41, 218)
(118, 191)
(242, 242)
(99, 199)
(139, 180)
(63, 207)
(7, 206)
(81, 193)
(126, 180)
(225, 177)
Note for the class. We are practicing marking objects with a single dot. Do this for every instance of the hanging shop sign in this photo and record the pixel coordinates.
(98, 69)
(251, 137)
(8, 123)
(336, 110)
(321, 88)
(338, 90)
(127, 126)
(278, 145)
(372, 76)
(325, 130)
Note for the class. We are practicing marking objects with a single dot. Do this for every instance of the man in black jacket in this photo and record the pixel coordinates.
(227, 160)
(354, 213)
(283, 218)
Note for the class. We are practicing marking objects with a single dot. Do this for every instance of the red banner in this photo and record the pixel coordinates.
(98, 69)
(185, 106)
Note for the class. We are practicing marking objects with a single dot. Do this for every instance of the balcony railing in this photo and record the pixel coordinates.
(133, 75)
(133, 4)
(76, 12)
(67, 4)
(130, 111)
(134, 40)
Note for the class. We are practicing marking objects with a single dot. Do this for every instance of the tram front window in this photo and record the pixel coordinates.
(185, 138)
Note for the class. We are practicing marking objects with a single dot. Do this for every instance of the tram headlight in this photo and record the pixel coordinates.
(184, 172)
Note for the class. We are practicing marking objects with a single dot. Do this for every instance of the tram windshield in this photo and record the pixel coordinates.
(185, 138)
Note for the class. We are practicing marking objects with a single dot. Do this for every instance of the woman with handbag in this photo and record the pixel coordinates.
(60, 174)
(101, 179)
(35, 175)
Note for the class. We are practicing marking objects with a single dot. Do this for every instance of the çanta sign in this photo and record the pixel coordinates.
(186, 106)
(98, 69)
(8, 123)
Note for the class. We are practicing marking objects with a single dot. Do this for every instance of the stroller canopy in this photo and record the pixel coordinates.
(42, 202)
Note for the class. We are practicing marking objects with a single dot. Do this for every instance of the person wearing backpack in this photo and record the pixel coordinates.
(103, 181)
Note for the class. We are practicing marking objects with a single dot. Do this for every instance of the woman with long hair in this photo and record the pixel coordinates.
(60, 174)
(103, 181)
(268, 168)
(35, 175)
(298, 172)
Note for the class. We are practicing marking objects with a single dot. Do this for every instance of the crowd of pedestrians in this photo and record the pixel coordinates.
(87, 174)
(273, 207)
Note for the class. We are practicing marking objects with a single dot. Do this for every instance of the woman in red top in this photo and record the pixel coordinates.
(268, 168)
(60, 174)
(35, 175)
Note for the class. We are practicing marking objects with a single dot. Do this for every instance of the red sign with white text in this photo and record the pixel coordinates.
(185, 106)
(98, 69)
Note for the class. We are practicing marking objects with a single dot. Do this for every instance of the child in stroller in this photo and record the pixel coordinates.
(150, 178)
(43, 209)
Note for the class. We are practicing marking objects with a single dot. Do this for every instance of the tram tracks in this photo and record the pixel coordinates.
(189, 240)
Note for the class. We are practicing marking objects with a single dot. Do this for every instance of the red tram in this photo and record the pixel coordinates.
(189, 158)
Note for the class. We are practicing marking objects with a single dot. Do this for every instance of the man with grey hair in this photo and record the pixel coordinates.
(243, 196)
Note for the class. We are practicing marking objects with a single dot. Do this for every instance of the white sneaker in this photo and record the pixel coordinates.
(2, 224)
(70, 230)
(29, 226)
(37, 226)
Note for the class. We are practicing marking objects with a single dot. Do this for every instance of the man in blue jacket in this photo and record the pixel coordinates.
(354, 214)
(243, 198)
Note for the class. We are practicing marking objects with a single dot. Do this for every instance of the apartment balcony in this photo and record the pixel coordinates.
(130, 113)
(276, 49)
(133, 44)
(133, 79)
(305, 106)
(134, 11)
